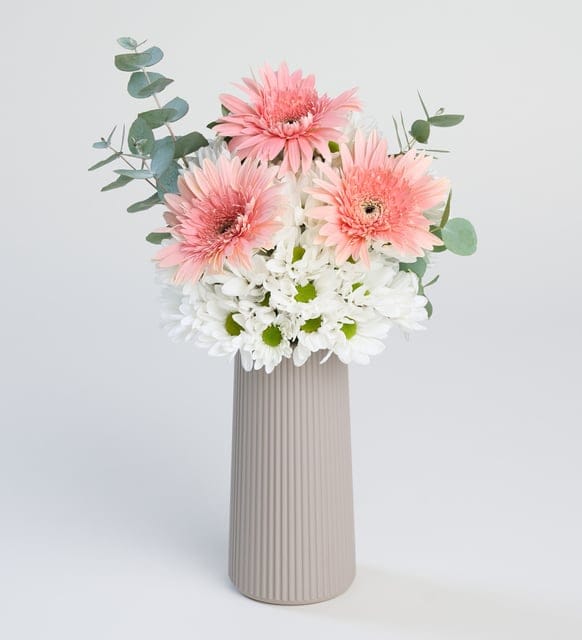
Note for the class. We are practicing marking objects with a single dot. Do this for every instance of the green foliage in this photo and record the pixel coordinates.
(272, 336)
(423, 105)
(136, 61)
(420, 131)
(233, 328)
(447, 120)
(143, 205)
(127, 43)
(168, 181)
(333, 146)
(157, 237)
(135, 174)
(162, 156)
(180, 106)
(102, 163)
(418, 266)
(116, 184)
(437, 231)
(459, 237)
(349, 329)
(312, 325)
(140, 138)
(158, 117)
(189, 143)
(142, 85)
(305, 293)
(446, 211)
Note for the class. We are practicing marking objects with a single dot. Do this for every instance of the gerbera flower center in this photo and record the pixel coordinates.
(372, 209)
(288, 107)
(228, 217)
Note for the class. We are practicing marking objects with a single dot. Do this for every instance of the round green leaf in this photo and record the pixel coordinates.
(420, 130)
(158, 117)
(140, 138)
(127, 43)
(189, 143)
(162, 155)
(459, 237)
(180, 106)
(140, 85)
(136, 61)
(418, 266)
(168, 181)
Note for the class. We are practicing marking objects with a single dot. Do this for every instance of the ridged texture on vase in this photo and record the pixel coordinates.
(291, 513)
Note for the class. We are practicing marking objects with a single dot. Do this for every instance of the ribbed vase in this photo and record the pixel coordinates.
(291, 509)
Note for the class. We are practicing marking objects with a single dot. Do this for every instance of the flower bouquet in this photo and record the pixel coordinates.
(293, 237)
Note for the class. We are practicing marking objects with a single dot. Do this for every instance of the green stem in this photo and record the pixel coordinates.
(129, 164)
(158, 104)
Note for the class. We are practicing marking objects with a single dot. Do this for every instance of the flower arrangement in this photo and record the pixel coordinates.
(294, 229)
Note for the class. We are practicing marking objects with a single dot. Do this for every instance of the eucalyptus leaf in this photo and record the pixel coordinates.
(418, 267)
(446, 211)
(168, 181)
(433, 281)
(162, 156)
(102, 163)
(156, 237)
(420, 130)
(136, 61)
(127, 43)
(429, 308)
(446, 120)
(189, 143)
(180, 106)
(110, 136)
(138, 81)
(155, 87)
(140, 138)
(437, 231)
(100, 144)
(158, 117)
(143, 205)
(135, 174)
(116, 184)
(459, 237)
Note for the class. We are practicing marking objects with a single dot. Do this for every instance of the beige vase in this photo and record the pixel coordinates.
(291, 509)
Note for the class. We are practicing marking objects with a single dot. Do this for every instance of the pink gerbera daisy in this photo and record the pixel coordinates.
(285, 114)
(224, 211)
(376, 197)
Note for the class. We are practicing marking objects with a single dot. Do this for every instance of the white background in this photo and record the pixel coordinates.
(114, 458)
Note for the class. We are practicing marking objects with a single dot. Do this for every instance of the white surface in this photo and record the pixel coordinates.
(114, 458)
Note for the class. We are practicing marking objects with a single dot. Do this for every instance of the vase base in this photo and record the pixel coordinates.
(294, 603)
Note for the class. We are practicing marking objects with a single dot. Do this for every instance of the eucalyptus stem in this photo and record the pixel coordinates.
(122, 156)
(167, 124)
